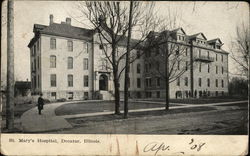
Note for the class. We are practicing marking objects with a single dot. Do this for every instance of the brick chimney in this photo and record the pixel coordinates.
(68, 21)
(51, 19)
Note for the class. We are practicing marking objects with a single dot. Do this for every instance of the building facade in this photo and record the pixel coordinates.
(69, 62)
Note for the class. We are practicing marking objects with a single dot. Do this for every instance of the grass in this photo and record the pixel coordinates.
(86, 120)
(21, 105)
(80, 108)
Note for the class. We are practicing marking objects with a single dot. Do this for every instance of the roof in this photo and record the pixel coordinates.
(63, 29)
(66, 30)
(195, 35)
(214, 40)
(175, 30)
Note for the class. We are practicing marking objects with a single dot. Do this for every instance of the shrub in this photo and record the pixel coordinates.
(61, 100)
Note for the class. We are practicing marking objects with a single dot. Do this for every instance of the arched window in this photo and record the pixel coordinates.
(52, 61)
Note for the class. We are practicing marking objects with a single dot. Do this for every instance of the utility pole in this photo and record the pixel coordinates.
(10, 67)
(127, 62)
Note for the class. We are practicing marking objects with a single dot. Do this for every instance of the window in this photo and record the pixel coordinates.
(216, 57)
(146, 68)
(207, 54)
(53, 95)
(200, 82)
(200, 67)
(158, 81)
(138, 55)
(208, 82)
(149, 66)
(208, 68)
(86, 95)
(70, 62)
(100, 46)
(138, 69)
(38, 81)
(186, 51)
(177, 52)
(157, 66)
(34, 50)
(52, 43)
(222, 83)
(52, 61)
(222, 70)
(157, 51)
(35, 64)
(38, 45)
(216, 69)
(178, 81)
(186, 65)
(85, 47)
(199, 53)
(104, 64)
(216, 83)
(148, 82)
(138, 83)
(70, 45)
(186, 81)
(158, 94)
(70, 80)
(53, 80)
(128, 82)
(38, 62)
(86, 80)
(178, 65)
(221, 58)
(85, 64)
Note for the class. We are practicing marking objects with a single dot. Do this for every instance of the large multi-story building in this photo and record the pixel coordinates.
(69, 62)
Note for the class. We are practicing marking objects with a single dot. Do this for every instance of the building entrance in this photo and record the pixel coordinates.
(103, 82)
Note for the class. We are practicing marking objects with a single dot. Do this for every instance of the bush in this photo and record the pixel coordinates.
(46, 100)
(61, 100)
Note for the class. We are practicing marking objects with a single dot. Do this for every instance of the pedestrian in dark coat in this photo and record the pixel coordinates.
(40, 104)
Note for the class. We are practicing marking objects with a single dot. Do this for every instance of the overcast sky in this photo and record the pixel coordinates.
(214, 19)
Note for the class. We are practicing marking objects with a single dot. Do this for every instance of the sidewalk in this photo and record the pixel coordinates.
(48, 121)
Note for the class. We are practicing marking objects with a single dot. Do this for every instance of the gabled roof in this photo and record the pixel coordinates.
(214, 40)
(196, 35)
(175, 30)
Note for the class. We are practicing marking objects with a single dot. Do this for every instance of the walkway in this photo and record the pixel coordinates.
(48, 121)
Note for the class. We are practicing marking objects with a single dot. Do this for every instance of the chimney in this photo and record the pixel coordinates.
(51, 19)
(68, 21)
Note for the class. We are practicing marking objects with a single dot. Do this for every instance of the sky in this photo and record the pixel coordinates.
(214, 19)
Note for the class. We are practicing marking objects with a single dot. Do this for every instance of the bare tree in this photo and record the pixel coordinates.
(240, 48)
(165, 60)
(111, 21)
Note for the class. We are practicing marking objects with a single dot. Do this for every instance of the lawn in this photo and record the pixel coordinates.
(22, 104)
(91, 107)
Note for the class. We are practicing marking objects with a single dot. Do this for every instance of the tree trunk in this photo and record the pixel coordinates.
(117, 96)
(10, 68)
(167, 78)
(116, 81)
(127, 63)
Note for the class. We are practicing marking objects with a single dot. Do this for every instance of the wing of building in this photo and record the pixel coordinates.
(69, 62)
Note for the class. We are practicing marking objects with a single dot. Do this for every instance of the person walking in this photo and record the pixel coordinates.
(40, 103)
